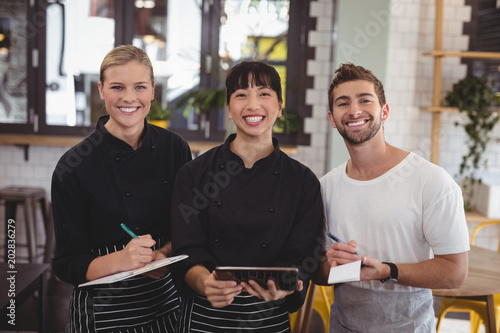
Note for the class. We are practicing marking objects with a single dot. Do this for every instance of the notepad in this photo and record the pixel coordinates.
(345, 273)
(124, 275)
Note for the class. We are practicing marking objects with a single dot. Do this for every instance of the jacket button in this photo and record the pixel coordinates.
(165, 182)
(271, 210)
(117, 159)
(222, 166)
(263, 245)
(216, 240)
(153, 147)
(219, 204)
(275, 172)
(128, 194)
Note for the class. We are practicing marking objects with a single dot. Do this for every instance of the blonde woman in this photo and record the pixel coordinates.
(122, 173)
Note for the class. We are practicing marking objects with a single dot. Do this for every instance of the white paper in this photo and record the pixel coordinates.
(345, 273)
(124, 275)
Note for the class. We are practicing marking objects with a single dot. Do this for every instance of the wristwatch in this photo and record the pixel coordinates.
(393, 278)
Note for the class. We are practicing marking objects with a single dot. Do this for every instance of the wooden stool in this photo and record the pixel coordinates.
(28, 197)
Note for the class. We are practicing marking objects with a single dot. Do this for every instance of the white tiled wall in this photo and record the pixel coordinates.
(408, 84)
(36, 171)
(315, 155)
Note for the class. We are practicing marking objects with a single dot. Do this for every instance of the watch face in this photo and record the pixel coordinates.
(391, 281)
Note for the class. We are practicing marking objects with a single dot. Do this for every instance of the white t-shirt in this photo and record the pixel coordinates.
(404, 216)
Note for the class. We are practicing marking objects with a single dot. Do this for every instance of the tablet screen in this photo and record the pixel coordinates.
(286, 278)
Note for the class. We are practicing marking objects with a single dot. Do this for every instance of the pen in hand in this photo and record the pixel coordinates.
(338, 240)
(130, 232)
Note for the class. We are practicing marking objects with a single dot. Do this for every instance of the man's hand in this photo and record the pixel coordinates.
(340, 253)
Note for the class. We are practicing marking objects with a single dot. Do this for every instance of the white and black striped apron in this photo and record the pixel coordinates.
(138, 304)
(246, 314)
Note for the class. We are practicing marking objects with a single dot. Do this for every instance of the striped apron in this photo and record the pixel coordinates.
(137, 304)
(247, 313)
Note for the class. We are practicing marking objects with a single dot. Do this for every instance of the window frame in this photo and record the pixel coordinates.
(296, 63)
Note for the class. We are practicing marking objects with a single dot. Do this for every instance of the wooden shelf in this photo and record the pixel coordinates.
(450, 109)
(438, 55)
(465, 54)
(70, 141)
(39, 140)
(441, 108)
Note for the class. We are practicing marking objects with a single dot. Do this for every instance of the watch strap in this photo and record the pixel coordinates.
(394, 276)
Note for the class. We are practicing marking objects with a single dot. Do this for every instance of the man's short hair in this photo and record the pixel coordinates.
(350, 72)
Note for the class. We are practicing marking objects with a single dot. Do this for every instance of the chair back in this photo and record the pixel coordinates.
(481, 226)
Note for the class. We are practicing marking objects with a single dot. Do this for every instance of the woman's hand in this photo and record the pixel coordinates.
(137, 252)
(271, 294)
(161, 253)
(161, 271)
(220, 293)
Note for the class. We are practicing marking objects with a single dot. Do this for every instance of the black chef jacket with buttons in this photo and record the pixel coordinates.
(225, 214)
(101, 183)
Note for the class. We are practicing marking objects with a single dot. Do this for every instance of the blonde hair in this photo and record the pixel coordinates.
(122, 55)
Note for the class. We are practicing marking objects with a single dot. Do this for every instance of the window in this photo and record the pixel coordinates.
(15, 67)
(484, 36)
(192, 44)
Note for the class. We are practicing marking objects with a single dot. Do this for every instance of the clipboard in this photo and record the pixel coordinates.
(285, 278)
(124, 275)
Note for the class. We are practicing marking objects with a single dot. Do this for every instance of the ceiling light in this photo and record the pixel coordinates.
(149, 4)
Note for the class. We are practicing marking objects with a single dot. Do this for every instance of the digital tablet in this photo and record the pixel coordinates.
(285, 278)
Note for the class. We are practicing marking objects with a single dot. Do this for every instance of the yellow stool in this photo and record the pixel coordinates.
(318, 298)
(477, 309)
(322, 304)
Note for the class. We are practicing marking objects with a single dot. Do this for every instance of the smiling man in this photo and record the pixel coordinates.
(401, 213)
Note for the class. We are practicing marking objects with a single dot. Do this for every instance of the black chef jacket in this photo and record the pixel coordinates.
(269, 215)
(101, 183)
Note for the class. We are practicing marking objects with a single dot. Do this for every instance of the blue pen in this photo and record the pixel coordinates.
(337, 240)
(130, 232)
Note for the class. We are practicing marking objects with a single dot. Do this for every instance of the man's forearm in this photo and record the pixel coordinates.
(442, 272)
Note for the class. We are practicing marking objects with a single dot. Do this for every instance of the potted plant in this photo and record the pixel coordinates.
(288, 123)
(159, 115)
(474, 96)
(202, 100)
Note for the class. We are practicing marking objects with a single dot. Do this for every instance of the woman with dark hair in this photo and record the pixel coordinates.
(122, 173)
(245, 203)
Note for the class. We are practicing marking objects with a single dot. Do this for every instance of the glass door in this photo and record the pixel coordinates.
(79, 34)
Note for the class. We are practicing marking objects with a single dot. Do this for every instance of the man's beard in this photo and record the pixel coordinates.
(359, 137)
